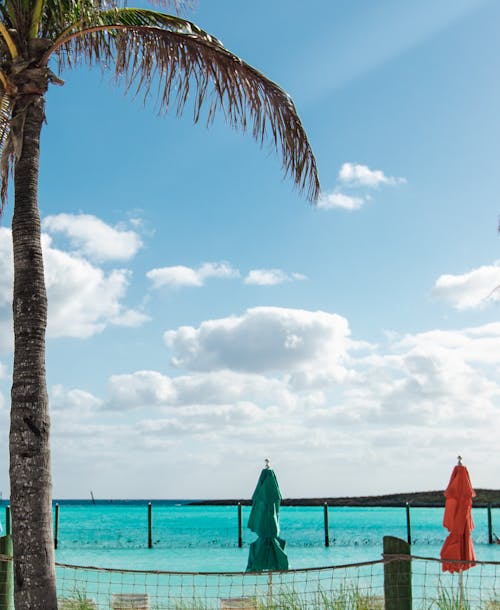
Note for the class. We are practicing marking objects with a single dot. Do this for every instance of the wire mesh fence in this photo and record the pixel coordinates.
(358, 586)
(311, 588)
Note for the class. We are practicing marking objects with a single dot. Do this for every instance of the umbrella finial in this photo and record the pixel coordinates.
(267, 463)
(459, 460)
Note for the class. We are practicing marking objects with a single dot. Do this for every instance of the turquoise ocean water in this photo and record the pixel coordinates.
(114, 534)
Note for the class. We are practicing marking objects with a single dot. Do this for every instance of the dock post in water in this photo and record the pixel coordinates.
(8, 522)
(408, 523)
(397, 574)
(327, 528)
(150, 526)
(6, 573)
(56, 526)
(490, 526)
(240, 526)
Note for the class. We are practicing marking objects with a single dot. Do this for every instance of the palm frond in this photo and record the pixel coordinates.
(59, 15)
(172, 60)
(20, 16)
(7, 39)
(36, 17)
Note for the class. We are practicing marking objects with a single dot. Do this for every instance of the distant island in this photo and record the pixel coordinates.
(423, 499)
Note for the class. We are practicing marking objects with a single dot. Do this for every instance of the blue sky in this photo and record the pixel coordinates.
(203, 315)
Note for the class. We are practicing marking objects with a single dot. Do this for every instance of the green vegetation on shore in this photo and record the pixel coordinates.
(415, 498)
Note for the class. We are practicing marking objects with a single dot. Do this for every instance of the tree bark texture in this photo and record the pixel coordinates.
(30, 472)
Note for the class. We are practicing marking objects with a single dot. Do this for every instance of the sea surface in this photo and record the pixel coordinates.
(114, 534)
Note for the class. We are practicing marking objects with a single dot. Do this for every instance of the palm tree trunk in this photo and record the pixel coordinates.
(30, 476)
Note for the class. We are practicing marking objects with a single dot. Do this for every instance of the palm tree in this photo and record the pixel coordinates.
(150, 52)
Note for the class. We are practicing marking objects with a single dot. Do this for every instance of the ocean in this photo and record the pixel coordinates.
(186, 538)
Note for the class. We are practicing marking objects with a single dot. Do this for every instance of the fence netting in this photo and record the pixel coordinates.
(357, 586)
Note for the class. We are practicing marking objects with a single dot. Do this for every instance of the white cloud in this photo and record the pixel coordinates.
(407, 408)
(262, 339)
(335, 199)
(271, 277)
(354, 174)
(129, 318)
(66, 403)
(477, 288)
(141, 389)
(82, 298)
(150, 389)
(478, 344)
(94, 238)
(180, 275)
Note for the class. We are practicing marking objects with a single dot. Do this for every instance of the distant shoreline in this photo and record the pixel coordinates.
(422, 499)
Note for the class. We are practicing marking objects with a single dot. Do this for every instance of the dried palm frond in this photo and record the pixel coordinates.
(173, 60)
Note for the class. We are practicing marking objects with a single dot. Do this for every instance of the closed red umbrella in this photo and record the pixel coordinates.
(458, 520)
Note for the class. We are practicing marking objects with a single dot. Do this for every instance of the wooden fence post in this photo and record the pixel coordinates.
(490, 526)
(397, 574)
(327, 528)
(150, 526)
(56, 526)
(240, 526)
(6, 580)
(408, 523)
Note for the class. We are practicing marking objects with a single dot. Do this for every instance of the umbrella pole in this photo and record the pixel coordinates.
(461, 589)
(270, 588)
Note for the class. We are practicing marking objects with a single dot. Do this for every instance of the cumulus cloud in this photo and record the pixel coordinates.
(152, 389)
(141, 389)
(93, 238)
(335, 199)
(262, 339)
(82, 298)
(207, 423)
(417, 400)
(271, 277)
(473, 290)
(477, 344)
(180, 275)
(68, 402)
(355, 176)
(431, 378)
(361, 175)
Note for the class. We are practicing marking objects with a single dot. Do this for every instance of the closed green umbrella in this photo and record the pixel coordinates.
(266, 553)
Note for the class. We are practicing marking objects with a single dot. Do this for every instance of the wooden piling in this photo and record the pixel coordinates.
(240, 526)
(408, 523)
(6, 572)
(397, 574)
(490, 526)
(327, 528)
(56, 525)
(150, 526)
